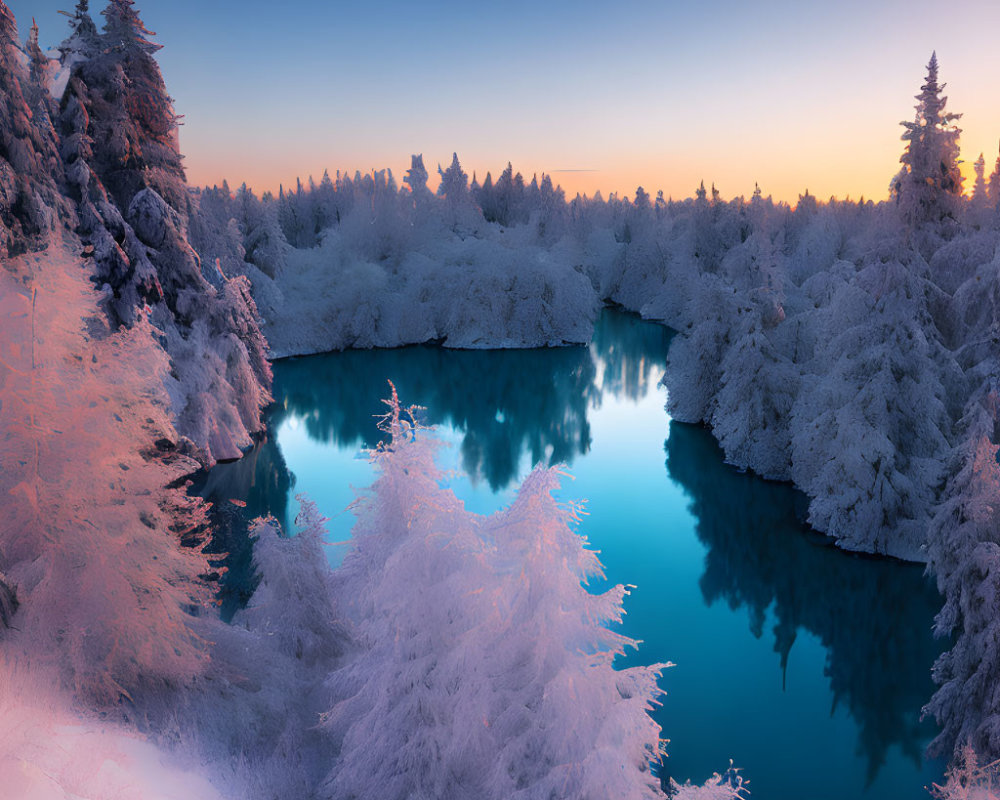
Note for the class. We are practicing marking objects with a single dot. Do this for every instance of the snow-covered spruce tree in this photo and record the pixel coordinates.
(757, 388)
(416, 179)
(978, 211)
(993, 187)
(41, 73)
(976, 309)
(694, 362)
(871, 426)
(486, 668)
(123, 167)
(928, 188)
(84, 41)
(292, 604)
(979, 190)
(964, 541)
(90, 536)
(132, 119)
(964, 552)
(454, 186)
(264, 244)
(459, 209)
(31, 200)
(549, 214)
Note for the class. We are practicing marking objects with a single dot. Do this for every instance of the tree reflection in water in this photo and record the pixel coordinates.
(871, 615)
(505, 403)
(256, 485)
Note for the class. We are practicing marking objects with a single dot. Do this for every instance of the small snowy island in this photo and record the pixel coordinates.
(850, 349)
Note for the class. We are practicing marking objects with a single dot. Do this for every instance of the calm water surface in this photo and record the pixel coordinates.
(805, 665)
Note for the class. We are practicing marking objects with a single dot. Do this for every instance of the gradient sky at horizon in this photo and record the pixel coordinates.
(792, 95)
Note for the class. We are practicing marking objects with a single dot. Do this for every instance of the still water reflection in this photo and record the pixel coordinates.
(805, 665)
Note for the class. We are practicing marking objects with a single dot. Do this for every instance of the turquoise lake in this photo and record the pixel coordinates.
(804, 665)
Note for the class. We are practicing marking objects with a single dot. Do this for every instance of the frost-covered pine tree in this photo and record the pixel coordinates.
(993, 188)
(292, 605)
(40, 73)
(123, 166)
(978, 211)
(695, 356)
(486, 668)
(30, 168)
(758, 387)
(964, 551)
(641, 200)
(416, 179)
(454, 186)
(83, 41)
(871, 425)
(459, 209)
(928, 188)
(264, 244)
(979, 190)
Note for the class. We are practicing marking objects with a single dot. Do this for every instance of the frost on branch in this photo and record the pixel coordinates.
(969, 779)
(293, 604)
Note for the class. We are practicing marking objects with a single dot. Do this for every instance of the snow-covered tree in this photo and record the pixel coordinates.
(696, 355)
(928, 188)
(871, 424)
(964, 554)
(993, 188)
(124, 169)
(979, 190)
(416, 179)
(84, 41)
(41, 71)
(454, 186)
(264, 244)
(292, 605)
(758, 387)
(641, 200)
(91, 536)
(459, 211)
(497, 675)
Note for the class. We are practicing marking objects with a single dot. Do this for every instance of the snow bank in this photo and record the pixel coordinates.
(49, 752)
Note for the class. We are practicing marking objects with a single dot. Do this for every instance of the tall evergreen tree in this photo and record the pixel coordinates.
(30, 170)
(123, 165)
(416, 178)
(928, 187)
(979, 190)
(454, 186)
(84, 40)
(129, 115)
(993, 187)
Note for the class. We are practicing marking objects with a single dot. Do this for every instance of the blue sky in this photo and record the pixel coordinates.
(792, 95)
